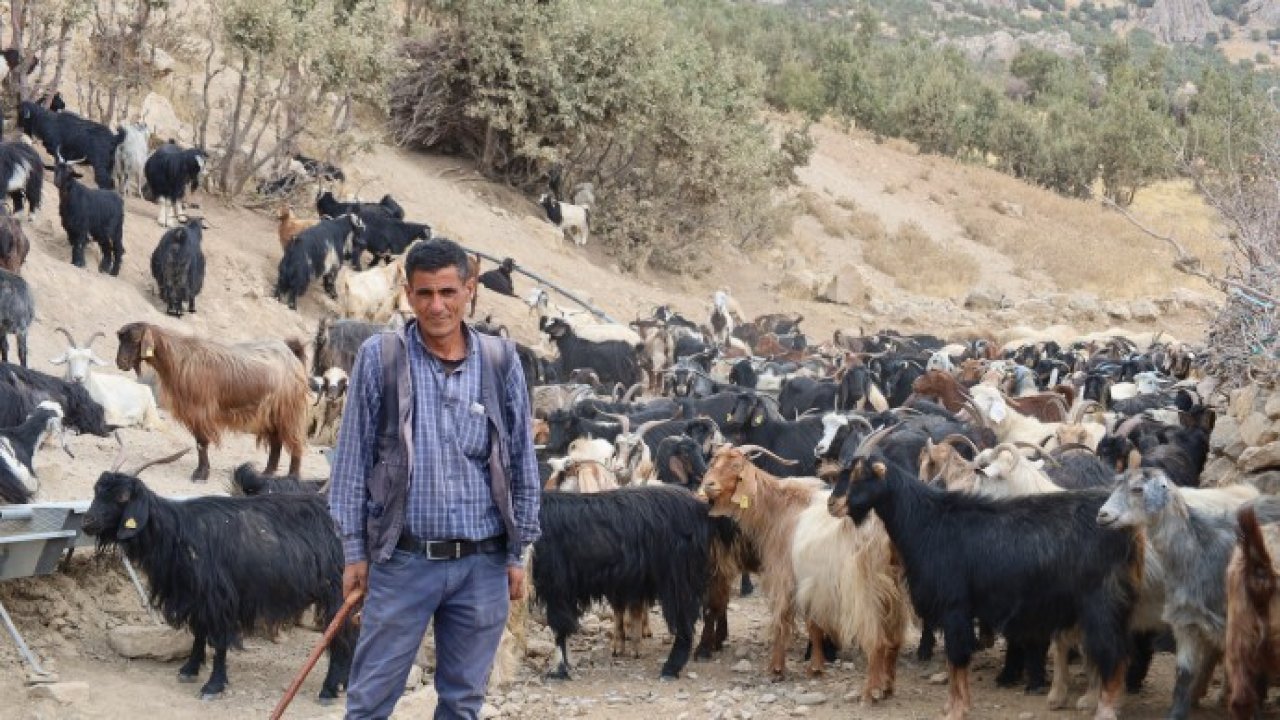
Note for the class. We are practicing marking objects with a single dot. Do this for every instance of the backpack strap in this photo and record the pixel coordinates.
(495, 356)
(392, 358)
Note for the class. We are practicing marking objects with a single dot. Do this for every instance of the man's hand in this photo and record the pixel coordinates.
(355, 576)
(515, 582)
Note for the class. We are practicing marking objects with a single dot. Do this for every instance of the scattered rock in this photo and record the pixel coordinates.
(800, 711)
(415, 705)
(1242, 400)
(981, 298)
(768, 699)
(1259, 458)
(844, 288)
(742, 666)
(64, 693)
(1216, 472)
(1267, 482)
(811, 698)
(1117, 311)
(1084, 305)
(800, 284)
(488, 712)
(1144, 310)
(1272, 406)
(155, 642)
(741, 652)
(1226, 432)
(939, 678)
(1256, 430)
(540, 648)
(415, 678)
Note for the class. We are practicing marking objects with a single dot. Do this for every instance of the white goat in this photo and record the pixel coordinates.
(371, 295)
(573, 220)
(125, 402)
(324, 414)
(131, 157)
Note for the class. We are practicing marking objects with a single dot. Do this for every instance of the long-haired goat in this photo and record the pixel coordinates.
(17, 311)
(67, 135)
(1252, 654)
(90, 213)
(14, 245)
(258, 388)
(837, 575)
(289, 225)
(227, 566)
(1031, 566)
(22, 174)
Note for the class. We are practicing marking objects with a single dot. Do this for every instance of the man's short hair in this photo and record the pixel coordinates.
(436, 254)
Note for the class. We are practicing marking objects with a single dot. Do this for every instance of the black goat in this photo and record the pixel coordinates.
(90, 213)
(69, 137)
(316, 252)
(18, 445)
(680, 460)
(613, 360)
(247, 481)
(225, 567)
(320, 170)
(177, 264)
(1031, 566)
(17, 310)
(630, 547)
(752, 422)
(171, 172)
(327, 206)
(800, 393)
(15, 405)
(80, 412)
(385, 236)
(566, 426)
(338, 341)
(22, 173)
(499, 279)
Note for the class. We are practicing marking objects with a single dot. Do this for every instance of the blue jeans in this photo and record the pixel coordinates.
(468, 598)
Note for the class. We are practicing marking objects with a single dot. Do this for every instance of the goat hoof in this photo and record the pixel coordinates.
(558, 674)
(207, 696)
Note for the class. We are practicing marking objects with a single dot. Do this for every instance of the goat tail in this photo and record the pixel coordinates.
(1259, 578)
(1248, 652)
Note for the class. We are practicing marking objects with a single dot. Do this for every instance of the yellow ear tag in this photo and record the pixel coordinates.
(131, 524)
(146, 354)
(744, 502)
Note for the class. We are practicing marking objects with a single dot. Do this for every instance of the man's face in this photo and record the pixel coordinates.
(438, 299)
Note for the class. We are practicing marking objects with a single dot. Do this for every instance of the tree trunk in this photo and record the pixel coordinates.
(233, 139)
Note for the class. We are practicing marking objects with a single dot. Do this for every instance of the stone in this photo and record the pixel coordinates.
(1226, 432)
(742, 666)
(1241, 401)
(741, 652)
(488, 712)
(799, 284)
(156, 642)
(1144, 311)
(1272, 406)
(160, 116)
(1260, 458)
(1117, 311)
(844, 288)
(1215, 471)
(412, 682)
(540, 648)
(1010, 209)
(940, 678)
(1235, 451)
(1267, 481)
(64, 693)
(768, 699)
(981, 298)
(1256, 430)
(416, 705)
(811, 698)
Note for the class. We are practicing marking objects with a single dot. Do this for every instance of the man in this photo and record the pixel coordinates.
(435, 492)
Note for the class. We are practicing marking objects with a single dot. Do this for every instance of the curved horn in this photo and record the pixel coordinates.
(1127, 426)
(861, 421)
(869, 442)
(622, 420)
(93, 337)
(67, 334)
(950, 440)
(632, 391)
(158, 461)
(1068, 447)
(977, 414)
(645, 426)
(120, 454)
(1077, 412)
(1040, 453)
(749, 450)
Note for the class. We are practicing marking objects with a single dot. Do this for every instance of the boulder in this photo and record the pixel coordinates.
(1272, 406)
(1260, 458)
(844, 288)
(1256, 430)
(1241, 401)
(799, 285)
(1010, 209)
(157, 642)
(981, 298)
(1215, 471)
(1117, 311)
(1144, 311)
(1267, 481)
(158, 113)
(1084, 304)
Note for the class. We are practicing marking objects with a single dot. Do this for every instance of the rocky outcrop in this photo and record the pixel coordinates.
(1179, 21)
(1002, 46)
(1245, 446)
(1268, 11)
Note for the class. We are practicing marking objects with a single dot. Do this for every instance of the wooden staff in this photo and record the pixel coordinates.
(334, 626)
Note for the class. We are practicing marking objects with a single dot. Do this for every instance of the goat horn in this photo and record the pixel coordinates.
(1040, 453)
(644, 427)
(869, 442)
(861, 421)
(950, 439)
(158, 461)
(120, 454)
(631, 392)
(70, 339)
(750, 450)
(1073, 446)
(1077, 412)
(623, 420)
(976, 413)
(94, 337)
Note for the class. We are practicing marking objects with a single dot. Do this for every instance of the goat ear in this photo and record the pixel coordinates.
(745, 490)
(998, 410)
(880, 469)
(60, 360)
(98, 361)
(134, 518)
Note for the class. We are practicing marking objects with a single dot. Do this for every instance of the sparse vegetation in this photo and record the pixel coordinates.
(918, 263)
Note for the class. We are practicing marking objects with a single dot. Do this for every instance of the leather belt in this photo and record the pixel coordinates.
(451, 549)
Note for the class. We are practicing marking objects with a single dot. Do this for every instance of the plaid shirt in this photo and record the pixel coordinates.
(449, 496)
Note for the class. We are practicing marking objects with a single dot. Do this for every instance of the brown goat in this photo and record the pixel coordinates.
(839, 575)
(13, 244)
(1252, 653)
(971, 371)
(289, 226)
(259, 388)
(941, 387)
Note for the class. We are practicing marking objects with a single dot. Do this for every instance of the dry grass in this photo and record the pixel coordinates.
(828, 215)
(919, 264)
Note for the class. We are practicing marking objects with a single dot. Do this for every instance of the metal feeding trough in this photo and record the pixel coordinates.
(33, 538)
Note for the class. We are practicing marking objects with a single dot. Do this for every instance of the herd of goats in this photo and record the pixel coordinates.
(1045, 492)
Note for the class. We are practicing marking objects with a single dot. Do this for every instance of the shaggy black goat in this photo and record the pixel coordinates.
(800, 394)
(177, 264)
(319, 170)
(17, 310)
(15, 405)
(327, 206)
(171, 172)
(631, 546)
(88, 212)
(499, 279)
(22, 173)
(249, 482)
(18, 445)
(80, 412)
(227, 566)
(613, 360)
(385, 236)
(316, 252)
(338, 341)
(70, 137)
(1030, 565)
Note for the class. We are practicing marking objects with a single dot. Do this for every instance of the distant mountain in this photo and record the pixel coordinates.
(1179, 21)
